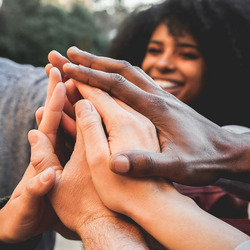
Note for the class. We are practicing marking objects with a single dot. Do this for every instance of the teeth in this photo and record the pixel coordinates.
(166, 84)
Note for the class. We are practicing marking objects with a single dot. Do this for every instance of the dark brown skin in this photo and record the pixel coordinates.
(194, 151)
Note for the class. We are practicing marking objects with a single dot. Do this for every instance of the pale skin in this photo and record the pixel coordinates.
(33, 213)
(74, 197)
(172, 212)
(175, 212)
(28, 210)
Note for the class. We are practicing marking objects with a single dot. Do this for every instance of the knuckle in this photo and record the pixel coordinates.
(157, 103)
(117, 78)
(39, 162)
(124, 65)
(89, 123)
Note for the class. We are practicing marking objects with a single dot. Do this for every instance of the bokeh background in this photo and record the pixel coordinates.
(30, 29)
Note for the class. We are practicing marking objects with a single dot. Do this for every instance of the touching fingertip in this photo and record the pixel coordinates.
(120, 164)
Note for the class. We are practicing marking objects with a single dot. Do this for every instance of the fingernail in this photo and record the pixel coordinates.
(46, 175)
(74, 48)
(83, 106)
(32, 137)
(121, 164)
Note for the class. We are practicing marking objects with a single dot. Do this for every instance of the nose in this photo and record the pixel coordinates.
(166, 63)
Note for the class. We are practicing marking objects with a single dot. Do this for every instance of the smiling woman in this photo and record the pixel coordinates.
(193, 50)
(175, 63)
(218, 55)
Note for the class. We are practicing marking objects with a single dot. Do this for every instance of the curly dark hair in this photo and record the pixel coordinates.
(222, 30)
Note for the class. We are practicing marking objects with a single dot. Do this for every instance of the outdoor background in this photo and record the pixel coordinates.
(29, 30)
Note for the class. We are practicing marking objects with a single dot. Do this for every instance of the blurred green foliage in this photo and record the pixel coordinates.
(30, 30)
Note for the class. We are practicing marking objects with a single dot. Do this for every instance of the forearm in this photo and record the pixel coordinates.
(112, 233)
(178, 223)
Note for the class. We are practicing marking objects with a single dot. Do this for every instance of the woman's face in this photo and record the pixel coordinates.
(175, 63)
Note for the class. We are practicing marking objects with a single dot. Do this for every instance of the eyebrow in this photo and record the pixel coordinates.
(155, 42)
(189, 45)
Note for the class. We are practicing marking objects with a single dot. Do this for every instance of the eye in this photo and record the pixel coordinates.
(154, 50)
(190, 56)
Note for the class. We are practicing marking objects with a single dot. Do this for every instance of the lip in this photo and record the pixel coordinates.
(169, 85)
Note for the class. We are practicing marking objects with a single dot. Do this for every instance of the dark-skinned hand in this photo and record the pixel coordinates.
(194, 150)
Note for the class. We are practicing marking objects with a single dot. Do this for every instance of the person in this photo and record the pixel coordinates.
(97, 225)
(176, 212)
(194, 50)
(22, 92)
(214, 152)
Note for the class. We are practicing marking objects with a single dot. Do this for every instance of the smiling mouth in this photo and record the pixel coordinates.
(167, 84)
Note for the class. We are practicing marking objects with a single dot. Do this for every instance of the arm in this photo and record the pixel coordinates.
(195, 151)
(173, 219)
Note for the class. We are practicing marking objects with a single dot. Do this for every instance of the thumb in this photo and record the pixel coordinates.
(42, 152)
(38, 186)
(140, 164)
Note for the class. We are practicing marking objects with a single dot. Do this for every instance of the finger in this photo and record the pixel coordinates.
(90, 126)
(145, 103)
(106, 106)
(48, 67)
(145, 164)
(112, 66)
(39, 115)
(69, 125)
(38, 186)
(69, 108)
(53, 113)
(58, 60)
(72, 92)
(54, 79)
(42, 153)
(147, 77)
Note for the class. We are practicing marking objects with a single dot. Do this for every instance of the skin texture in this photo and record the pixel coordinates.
(144, 196)
(31, 210)
(175, 63)
(195, 151)
(84, 211)
(78, 205)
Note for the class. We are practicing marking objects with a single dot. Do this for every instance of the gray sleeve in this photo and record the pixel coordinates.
(22, 90)
(243, 246)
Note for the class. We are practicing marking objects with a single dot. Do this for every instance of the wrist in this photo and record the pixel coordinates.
(111, 232)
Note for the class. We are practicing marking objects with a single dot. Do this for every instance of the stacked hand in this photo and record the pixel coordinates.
(194, 150)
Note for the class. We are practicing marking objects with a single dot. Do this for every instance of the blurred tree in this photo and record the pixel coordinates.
(29, 30)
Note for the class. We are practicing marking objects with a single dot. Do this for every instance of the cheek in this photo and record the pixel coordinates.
(147, 63)
(194, 75)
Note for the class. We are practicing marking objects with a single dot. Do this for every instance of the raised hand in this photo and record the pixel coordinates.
(194, 150)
